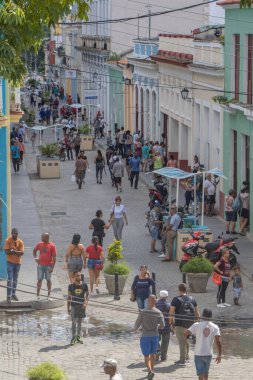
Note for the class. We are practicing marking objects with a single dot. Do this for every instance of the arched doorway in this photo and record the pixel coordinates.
(142, 111)
(147, 116)
(136, 108)
(154, 131)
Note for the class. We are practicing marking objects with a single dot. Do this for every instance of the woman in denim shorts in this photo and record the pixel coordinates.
(74, 258)
(95, 256)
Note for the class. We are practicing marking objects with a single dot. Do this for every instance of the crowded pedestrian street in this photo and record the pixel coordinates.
(59, 208)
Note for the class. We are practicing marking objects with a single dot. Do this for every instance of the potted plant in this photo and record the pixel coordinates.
(198, 271)
(46, 371)
(48, 164)
(87, 140)
(113, 267)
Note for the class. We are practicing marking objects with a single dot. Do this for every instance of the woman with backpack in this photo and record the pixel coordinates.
(231, 214)
(74, 258)
(100, 164)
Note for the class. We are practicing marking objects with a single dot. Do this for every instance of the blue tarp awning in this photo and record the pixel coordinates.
(181, 174)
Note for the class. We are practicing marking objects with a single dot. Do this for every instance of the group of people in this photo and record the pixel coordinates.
(159, 319)
(17, 148)
(237, 205)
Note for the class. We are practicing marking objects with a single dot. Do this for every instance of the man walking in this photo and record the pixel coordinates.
(171, 233)
(150, 320)
(77, 302)
(183, 311)
(110, 368)
(15, 155)
(164, 334)
(205, 332)
(118, 173)
(134, 164)
(46, 262)
(14, 249)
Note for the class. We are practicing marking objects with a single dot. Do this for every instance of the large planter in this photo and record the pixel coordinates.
(110, 282)
(48, 167)
(87, 142)
(198, 282)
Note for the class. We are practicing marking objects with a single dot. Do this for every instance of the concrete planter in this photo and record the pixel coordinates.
(48, 167)
(110, 283)
(87, 142)
(198, 282)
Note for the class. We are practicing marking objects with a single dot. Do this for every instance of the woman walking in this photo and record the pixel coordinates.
(98, 226)
(95, 256)
(100, 164)
(81, 165)
(75, 257)
(141, 287)
(117, 217)
(223, 267)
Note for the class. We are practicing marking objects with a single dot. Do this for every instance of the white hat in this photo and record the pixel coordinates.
(163, 294)
(109, 363)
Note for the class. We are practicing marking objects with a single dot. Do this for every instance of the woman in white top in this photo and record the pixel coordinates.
(117, 217)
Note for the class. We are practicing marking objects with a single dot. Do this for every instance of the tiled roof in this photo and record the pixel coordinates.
(228, 2)
(176, 35)
(175, 54)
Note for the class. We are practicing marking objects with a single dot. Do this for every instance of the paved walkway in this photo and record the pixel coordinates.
(31, 338)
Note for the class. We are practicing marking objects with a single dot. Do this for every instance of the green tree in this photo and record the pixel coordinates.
(246, 3)
(22, 28)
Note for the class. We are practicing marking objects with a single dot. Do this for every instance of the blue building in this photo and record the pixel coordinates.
(5, 190)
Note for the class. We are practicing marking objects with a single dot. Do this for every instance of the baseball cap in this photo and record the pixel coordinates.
(109, 363)
(163, 293)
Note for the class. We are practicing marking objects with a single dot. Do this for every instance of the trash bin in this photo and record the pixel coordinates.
(87, 142)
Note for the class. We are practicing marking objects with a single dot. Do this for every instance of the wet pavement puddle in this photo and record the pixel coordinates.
(56, 326)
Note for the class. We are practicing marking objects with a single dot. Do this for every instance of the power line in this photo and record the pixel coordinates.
(152, 14)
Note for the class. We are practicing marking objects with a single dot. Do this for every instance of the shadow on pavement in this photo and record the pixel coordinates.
(54, 348)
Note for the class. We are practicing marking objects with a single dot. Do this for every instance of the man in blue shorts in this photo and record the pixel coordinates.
(205, 332)
(150, 320)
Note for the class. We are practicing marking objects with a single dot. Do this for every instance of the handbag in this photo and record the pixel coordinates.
(216, 278)
(99, 265)
(132, 298)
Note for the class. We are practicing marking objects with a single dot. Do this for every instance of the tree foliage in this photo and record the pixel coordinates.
(246, 3)
(22, 28)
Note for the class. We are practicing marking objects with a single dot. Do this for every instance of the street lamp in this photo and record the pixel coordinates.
(185, 93)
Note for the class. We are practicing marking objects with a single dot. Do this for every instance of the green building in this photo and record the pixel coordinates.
(238, 114)
(116, 95)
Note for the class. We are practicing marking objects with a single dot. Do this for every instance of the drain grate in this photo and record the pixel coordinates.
(58, 213)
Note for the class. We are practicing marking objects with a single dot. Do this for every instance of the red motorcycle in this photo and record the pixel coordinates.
(193, 248)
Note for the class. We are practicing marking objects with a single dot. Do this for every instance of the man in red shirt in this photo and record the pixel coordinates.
(46, 262)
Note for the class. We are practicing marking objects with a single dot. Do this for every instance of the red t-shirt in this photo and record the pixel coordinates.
(94, 253)
(47, 252)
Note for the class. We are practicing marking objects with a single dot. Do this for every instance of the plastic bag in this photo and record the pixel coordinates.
(216, 278)
(73, 178)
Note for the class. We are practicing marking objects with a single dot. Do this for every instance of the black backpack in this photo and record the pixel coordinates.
(186, 311)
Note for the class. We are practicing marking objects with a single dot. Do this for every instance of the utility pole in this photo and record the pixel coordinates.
(149, 20)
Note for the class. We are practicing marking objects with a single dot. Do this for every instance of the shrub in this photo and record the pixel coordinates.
(114, 255)
(115, 252)
(198, 265)
(49, 150)
(46, 371)
(84, 129)
(121, 269)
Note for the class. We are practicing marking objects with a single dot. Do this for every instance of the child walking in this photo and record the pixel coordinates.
(237, 284)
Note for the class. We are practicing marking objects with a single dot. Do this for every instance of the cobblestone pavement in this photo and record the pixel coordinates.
(31, 338)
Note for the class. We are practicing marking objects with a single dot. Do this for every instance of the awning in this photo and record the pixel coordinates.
(173, 173)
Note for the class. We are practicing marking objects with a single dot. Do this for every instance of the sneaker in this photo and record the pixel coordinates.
(49, 298)
(151, 375)
(38, 298)
(227, 304)
(221, 305)
(73, 341)
(8, 299)
(162, 255)
(79, 340)
(180, 363)
(14, 297)
(97, 290)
